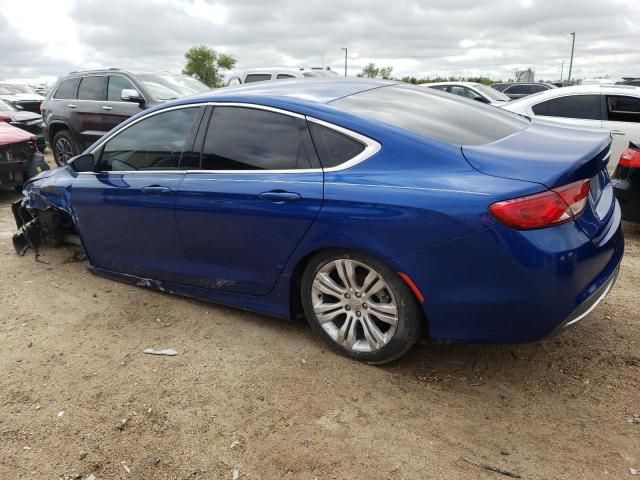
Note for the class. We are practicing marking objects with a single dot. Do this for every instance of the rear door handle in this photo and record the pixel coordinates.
(155, 190)
(72, 105)
(107, 107)
(279, 196)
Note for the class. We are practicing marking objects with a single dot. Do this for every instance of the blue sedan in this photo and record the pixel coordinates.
(378, 210)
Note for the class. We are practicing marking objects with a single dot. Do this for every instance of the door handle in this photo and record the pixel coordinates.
(155, 190)
(72, 105)
(279, 196)
(617, 132)
(107, 107)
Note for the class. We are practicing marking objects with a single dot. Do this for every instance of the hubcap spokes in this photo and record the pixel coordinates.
(64, 150)
(354, 305)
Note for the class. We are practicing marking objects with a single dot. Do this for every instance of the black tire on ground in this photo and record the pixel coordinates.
(64, 147)
(410, 323)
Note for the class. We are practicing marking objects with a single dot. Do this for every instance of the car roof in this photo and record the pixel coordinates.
(578, 90)
(316, 90)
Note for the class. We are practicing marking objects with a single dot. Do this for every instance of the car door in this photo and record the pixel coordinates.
(257, 191)
(85, 114)
(623, 120)
(115, 110)
(576, 110)
(125, 210)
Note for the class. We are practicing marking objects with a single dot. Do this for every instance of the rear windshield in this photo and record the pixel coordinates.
(433, 114)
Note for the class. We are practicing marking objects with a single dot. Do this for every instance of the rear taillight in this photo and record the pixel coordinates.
(545, 209)
(42, 107)
(630, 158)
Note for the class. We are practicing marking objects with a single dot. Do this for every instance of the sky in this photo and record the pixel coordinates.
(43, 39)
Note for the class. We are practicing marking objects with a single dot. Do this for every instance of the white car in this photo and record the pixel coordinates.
(263, 74)
(472, 90)
(615, 108)
(21, 96)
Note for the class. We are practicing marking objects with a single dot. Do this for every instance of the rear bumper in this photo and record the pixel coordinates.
(588, 305)
(629, 203)
(505, 286)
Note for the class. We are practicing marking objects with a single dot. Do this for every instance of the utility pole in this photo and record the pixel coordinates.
(562, 70)
(573, 44)
(345, 60)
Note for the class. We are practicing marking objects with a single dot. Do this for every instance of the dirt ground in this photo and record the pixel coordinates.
(252, 397)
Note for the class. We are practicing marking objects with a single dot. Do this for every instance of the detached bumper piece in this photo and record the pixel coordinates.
(30, 230)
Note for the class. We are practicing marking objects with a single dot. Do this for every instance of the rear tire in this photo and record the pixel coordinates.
(360, 307)
(64, 147)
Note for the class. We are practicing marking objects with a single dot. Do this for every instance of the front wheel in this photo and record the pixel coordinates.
(360, 307)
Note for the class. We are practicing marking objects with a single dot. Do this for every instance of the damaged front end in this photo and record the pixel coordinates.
(42, 216)
(41, 227)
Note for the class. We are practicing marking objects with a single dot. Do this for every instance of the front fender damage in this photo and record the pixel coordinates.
(36, 227)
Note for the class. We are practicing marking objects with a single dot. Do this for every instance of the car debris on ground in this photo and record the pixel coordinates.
(168, 352)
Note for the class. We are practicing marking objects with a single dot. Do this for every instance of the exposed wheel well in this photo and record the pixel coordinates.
(296, 277)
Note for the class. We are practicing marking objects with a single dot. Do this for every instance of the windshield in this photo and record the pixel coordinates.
(6, 107)
(168, 87)
(12, 88)
(492, 93)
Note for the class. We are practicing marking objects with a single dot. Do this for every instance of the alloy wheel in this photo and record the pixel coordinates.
(64, 150)
(354, 305)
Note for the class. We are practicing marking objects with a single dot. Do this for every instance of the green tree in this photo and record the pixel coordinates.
(372, 71)
(207, 65)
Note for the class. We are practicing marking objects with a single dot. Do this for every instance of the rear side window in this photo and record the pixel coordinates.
(586, 107)
(282, 76)
(251, 139)
(519, 90)
(623, 109)
(537, 88)
(434, 114)
(92, 88)
(155, 143)
(333, 147)
(117, 83)
(67, 89)
(257, 77)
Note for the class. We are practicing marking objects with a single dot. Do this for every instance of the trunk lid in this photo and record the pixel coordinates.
(554, 156)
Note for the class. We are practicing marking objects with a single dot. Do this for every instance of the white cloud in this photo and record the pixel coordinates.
(444, 37)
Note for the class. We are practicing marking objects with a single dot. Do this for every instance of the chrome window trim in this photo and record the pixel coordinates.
(80, 77)
(371, 146)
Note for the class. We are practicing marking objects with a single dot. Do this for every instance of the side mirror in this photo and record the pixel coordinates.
(83, 163)
(131, 95)
(480, 99)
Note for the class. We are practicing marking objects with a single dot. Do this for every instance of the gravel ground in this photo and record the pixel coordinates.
(266, 399)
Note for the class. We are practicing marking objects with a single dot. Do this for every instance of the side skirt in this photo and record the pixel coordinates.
(265, 305)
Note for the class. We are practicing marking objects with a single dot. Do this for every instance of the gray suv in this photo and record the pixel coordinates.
(83, 106)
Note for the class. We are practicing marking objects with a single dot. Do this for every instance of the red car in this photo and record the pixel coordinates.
(19, 156)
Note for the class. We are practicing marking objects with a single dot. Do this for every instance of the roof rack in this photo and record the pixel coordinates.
(95, 70)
